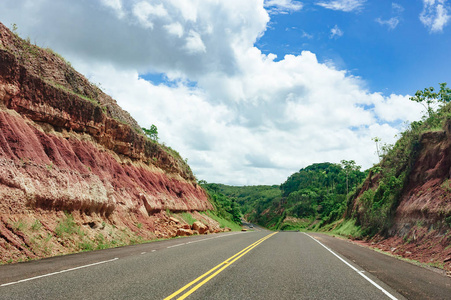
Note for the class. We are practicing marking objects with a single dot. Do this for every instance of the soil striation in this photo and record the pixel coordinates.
(76, 171)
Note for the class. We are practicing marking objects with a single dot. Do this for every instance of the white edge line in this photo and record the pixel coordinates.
(206, 239)
(176, 245)
(59, 272)
(358, 272)
(215, 237)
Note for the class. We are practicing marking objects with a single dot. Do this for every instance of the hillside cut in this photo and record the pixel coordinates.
(72, 159)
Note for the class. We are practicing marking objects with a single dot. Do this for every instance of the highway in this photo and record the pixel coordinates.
(256, 264)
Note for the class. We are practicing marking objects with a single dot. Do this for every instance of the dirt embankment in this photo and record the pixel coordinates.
(421, 227)
(76, 172)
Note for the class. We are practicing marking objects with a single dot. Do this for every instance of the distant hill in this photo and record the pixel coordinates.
(401, 205)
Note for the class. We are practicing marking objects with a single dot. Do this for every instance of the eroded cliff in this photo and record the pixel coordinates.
(407, 197)
(72, 159)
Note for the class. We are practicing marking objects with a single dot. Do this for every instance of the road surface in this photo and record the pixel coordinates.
(238, 265)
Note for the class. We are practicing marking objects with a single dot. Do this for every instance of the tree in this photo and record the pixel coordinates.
(152, 132)
(428, 97)
(349, 166)
(377, 140)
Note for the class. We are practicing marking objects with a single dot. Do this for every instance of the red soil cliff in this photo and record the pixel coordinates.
(65, 146)
(421, 225)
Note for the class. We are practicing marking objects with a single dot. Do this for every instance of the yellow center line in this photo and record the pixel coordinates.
(221, 267)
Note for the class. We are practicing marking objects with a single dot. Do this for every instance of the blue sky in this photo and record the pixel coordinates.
(252, 91)
(398, 60)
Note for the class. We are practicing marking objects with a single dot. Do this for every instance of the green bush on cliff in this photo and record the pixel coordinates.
(377, 207)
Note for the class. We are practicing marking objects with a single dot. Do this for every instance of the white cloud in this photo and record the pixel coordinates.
(145, 12)
(175, 29)
(435, 14)
(397, 8)
(249, 119)
(336, 32)
(194, 43)
(306, 35)
(116, 5)
(390, 23)
(283, 6)
(343, 5)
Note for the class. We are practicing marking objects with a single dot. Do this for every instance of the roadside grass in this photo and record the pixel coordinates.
(347, 228)
(188, 218)
(223, 222)
(67, 226)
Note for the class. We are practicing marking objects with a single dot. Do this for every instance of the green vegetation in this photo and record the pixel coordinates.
(188, 218)
(428, 98)
(315, 194)
(36, 225)
(19, 225)
(224, 222)
(322, 196)
(377, 207)
(152, 132)
(225, 207)
(67, 225)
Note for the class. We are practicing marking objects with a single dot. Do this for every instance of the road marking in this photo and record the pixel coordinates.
(59, 272)
(215, 237)
(222, 266)
(176, 245)
(143, 253)
(358, 272)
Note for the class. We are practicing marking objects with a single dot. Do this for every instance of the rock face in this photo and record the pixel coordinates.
(421, 226)
(65, 146)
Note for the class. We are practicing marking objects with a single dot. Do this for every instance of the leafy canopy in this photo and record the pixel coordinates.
(428, 97)
(152, 132)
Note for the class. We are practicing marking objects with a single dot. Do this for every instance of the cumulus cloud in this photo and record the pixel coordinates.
(116, 5)
(435, 15)
(336, 32)
(145, 12)
(249, 118)
(343, 5)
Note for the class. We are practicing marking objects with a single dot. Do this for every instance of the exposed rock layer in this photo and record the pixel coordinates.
(66, 146)
(421, 227)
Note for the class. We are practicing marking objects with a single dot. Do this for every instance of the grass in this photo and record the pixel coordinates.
(36, 225)
(348, 229)
(67, 226)
(19, 225)
(223, 222)
(188, 218)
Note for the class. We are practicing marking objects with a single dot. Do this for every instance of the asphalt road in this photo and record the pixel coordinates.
(249, 265)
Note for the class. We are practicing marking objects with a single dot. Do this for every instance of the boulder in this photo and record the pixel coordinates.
(200, 227)
(175, 220)
(184, 232)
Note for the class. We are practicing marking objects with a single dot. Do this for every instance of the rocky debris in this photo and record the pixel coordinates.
(175, 220)
(200, 227)
(184, 232)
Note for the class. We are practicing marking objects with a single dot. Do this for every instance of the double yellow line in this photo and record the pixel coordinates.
(219, 268)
